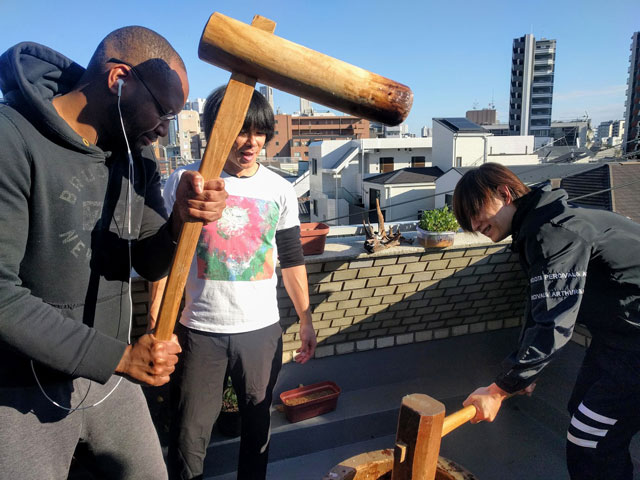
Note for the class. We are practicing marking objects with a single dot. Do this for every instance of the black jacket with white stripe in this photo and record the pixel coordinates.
(583, 265)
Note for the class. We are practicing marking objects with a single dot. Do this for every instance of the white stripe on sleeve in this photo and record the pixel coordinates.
(580, 442)
(587, 429)
(595, 416)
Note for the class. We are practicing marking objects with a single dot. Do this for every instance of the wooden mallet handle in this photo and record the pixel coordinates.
(231, 116)
(457, 419)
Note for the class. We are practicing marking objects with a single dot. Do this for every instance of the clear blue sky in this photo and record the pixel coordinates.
(453, 54)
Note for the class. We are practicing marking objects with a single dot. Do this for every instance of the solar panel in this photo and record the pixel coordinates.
(463, 124)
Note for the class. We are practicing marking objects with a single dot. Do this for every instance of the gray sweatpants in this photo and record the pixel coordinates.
(38, 439)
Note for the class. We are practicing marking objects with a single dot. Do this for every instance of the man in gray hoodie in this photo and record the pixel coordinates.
(80, 206)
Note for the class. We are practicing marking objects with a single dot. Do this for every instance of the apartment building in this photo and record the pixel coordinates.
(631, 143)
(294, 133)
(531, 94)
(485, 116)
(267, 92)
(611, 128)
(188, 134)
(577, 133)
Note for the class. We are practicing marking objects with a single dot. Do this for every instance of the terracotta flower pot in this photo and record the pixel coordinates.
(435, 239)
(313, 237)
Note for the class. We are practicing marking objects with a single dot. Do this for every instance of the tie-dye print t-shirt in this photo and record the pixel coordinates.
(231, 286)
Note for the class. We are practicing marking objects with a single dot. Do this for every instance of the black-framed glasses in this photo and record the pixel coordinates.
(164, 115)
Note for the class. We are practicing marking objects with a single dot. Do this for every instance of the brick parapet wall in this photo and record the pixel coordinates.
(362, 302)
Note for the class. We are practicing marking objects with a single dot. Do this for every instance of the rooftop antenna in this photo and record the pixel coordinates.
(492, 105)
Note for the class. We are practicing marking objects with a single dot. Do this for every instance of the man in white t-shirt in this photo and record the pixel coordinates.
(230, 322)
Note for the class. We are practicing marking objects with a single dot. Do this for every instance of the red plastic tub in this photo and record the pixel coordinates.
(303, 402)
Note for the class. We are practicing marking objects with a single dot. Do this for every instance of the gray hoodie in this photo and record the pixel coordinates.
(64, 261)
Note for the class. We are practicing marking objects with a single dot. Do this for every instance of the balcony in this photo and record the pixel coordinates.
(545, 49)
(540, 116)
(543, 61)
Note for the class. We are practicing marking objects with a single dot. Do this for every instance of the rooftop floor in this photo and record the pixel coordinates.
(525, 442)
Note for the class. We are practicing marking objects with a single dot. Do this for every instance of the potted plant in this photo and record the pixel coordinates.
(229, 421)
(437, 228)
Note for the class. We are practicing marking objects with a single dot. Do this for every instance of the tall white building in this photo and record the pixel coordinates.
(611, 132)
(188, 135)
(531, 94)
(196, 105)
(397, 131)
(267, 92)
(305, 107)
(632, 115)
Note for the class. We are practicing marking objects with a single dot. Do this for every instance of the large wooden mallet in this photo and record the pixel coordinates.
(421, 425)
(252, 53)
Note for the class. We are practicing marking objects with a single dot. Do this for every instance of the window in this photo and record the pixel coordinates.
(458, 161)
(417, 161)
(296, 154)
(314, 166)
(386, 164)
(315, 208)
(448, 200)
(277, 143)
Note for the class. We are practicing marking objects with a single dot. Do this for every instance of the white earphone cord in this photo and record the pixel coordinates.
(129, 197)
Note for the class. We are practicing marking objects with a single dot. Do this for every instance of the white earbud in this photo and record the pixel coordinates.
(120, 84)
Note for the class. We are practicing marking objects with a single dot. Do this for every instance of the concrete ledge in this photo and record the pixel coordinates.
(352, 247)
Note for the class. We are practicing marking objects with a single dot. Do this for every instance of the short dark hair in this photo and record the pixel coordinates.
(479, 185)
(259, 116)
(138, 46)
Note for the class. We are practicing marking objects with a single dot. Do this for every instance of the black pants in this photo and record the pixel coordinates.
(605, 414)
(254, 360)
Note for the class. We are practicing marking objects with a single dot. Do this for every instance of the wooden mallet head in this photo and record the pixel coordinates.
(272, 60)
(252, 53)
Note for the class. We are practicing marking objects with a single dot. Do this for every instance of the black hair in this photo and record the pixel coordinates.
(259, 116)
(478, 186)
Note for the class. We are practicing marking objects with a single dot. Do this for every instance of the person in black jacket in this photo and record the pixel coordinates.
(80, 206)
(582, 265)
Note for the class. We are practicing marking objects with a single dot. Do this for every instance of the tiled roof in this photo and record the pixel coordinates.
(407, 175)
(588, 182)
(536, 174)
(625, 179)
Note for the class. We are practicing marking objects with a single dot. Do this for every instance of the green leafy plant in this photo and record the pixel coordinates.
(439, 220)
(229, 398)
